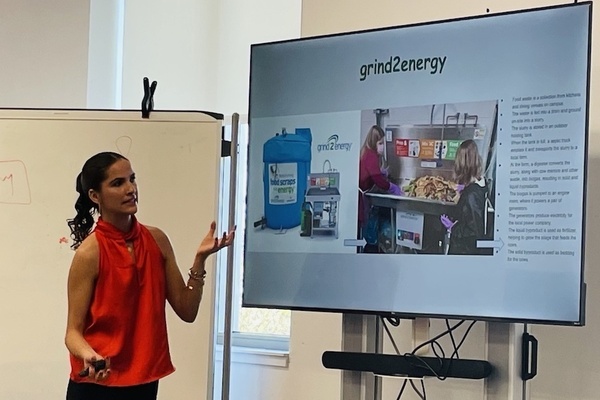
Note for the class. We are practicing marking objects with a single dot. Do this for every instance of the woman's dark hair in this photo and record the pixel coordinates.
(91, 176)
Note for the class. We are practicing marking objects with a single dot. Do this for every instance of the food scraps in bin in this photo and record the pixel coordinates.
(432, 187)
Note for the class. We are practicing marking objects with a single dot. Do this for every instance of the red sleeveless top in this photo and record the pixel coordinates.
(126, 320)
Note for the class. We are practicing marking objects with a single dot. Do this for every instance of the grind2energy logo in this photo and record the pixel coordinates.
(334, 144)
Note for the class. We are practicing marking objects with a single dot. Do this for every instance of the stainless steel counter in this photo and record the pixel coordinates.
(410, 204)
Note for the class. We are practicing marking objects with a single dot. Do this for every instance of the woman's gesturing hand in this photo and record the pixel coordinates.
(211, 244)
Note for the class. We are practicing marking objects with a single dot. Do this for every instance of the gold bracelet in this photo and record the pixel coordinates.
(196, 275)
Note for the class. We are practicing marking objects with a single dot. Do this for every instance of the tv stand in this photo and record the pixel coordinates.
(407, 365)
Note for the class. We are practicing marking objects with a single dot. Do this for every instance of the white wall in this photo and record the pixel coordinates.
(242, 23)
(335, 16)
(197, 51)
(105, 56)
(175, 44)
(43, 53)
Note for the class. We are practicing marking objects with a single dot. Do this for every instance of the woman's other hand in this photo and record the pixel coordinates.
(394, 189)
(447, 222)
(385, 172)
(211, 244)
(96, 368)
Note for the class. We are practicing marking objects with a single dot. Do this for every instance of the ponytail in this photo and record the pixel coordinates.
(81, 225)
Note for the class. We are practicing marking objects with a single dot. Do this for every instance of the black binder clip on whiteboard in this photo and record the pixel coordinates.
(148, 100)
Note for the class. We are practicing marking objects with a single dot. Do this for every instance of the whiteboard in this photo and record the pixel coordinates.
(175, 156)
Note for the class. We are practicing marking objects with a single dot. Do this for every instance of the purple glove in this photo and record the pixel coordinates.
(394, 189)
(447, 222)
(385, 172)
(460, 187)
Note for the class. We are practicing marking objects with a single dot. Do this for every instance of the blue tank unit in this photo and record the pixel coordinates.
(286, 160)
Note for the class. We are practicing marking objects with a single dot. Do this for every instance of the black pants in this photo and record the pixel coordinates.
(92, 391)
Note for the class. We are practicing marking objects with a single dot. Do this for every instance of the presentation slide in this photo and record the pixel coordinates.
(435, 169)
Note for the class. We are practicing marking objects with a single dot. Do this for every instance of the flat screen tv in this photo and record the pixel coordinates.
(435, 169)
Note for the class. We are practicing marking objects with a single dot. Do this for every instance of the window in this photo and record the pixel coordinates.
(251, 327)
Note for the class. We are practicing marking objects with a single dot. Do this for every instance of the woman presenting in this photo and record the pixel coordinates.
(466, 225)
(120, 278)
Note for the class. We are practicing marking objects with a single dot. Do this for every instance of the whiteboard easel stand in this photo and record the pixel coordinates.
(230, 257)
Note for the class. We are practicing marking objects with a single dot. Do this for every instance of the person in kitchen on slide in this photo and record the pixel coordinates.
(372, 177)
(121, 276)
(466, 223)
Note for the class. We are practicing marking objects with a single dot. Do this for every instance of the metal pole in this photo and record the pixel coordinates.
(374, 344)
(352, 340)
(504, 352)
(361, 333)
(235, 118)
